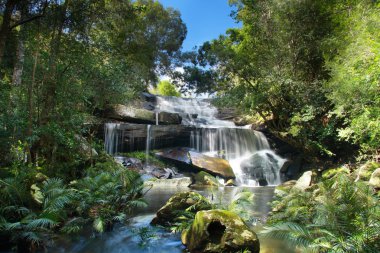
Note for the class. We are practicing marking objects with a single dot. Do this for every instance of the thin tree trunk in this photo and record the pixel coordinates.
(31, 155)
(49, 92)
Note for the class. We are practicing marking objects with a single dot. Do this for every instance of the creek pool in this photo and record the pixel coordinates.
(126, 238)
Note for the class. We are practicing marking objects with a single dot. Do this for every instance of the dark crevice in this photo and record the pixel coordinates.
(216, 230)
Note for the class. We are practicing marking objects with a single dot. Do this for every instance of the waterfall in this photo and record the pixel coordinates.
(195, 112)
(112, 138)
(247, 151)
(148, 142)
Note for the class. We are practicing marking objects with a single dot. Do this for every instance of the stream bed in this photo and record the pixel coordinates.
(127, 238)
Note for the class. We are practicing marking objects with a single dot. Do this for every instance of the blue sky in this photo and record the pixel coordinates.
(205, 19)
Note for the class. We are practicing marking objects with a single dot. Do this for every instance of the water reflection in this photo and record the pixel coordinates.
(126, 238)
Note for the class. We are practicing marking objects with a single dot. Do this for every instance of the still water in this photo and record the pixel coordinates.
(128, 238)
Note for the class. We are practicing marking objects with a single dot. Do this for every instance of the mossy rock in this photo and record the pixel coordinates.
(365, 171)
(375, 179)
(183, 201)
(217, 231)
(327, 174)
(284, 188)
(205, 179)
(306, 180)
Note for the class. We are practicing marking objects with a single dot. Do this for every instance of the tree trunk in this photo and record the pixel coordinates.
(31, 155)
(19, 64)
(6, 26)
(49, 91)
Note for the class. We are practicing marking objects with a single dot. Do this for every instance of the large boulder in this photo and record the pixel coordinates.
(140, 115)
(197, 161)
(375, 179)
(263, 166)
(183, 201)
(305, 180)
(213, 165)
(217, 231)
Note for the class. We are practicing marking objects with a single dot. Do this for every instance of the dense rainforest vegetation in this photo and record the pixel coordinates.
(309, 70)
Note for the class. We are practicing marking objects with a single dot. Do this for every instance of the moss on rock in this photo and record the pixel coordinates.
(183, 201)
(219, 231)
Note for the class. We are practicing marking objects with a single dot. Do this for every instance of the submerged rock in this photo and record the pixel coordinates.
(182, 182)
(217, 231)
(183, 201)
(197, 161)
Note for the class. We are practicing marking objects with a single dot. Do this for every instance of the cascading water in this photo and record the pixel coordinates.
(247, 151)
(148, 142)
(112, 138)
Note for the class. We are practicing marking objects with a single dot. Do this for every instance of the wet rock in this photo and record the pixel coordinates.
(164, 173)
(305, 180)
(182, 182)
(176, 154)
(205, 179)
(262, 166)
(219, 231)
(214, 166)
(130, 163)
(132, 137)
(167, 118)
(183, 201)
(375, 179)
(149, 97)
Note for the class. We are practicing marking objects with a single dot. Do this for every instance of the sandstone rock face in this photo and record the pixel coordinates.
(213, 165)
(217, 231)
(183, 201)
(140, 115)
(375, 179)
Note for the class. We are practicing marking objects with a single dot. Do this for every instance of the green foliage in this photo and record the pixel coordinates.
(354, 83)
(308, 69)
(106, 195)
(166, 88)
(145, 235)
(336, 215)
